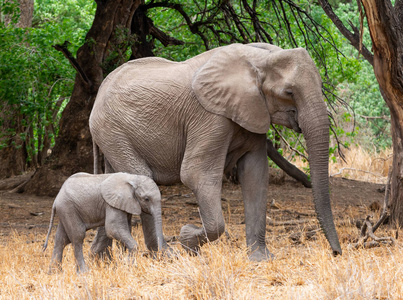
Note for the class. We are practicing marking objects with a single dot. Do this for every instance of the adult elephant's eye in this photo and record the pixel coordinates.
(288, 92)
(146, 199)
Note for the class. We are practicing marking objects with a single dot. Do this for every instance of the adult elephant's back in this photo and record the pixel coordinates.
(141, 117)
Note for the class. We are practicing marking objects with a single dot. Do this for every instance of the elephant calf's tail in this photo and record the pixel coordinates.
(52, 216)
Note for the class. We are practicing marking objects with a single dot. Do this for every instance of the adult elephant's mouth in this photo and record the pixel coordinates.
(294, 125)
(292, 119)
(287, 118)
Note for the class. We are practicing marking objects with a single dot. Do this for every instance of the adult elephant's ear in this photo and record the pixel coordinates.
(229, 84)
(118, 192)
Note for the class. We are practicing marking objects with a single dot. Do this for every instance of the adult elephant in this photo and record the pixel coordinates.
(191, 121)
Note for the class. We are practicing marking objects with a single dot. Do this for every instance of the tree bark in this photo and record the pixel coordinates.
(353, 37)
(385, 24)
(13, 155)
(26, 14)
(73, 149)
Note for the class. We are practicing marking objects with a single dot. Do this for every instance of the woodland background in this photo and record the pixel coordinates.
(37, 80)
(54, 55)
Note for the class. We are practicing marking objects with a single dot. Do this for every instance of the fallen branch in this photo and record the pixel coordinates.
(368, 230)
(285, 165)
(353, 169)
(13, 182)
(288, 222)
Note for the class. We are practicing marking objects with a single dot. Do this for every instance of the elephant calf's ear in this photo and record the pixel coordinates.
(119, 193)
(229, 84)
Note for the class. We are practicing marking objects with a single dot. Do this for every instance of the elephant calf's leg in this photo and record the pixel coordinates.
(102, 245)
(117, 227)
(78, 253)
(61, 241)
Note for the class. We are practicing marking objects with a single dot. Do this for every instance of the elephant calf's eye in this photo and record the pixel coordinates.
(146, 199)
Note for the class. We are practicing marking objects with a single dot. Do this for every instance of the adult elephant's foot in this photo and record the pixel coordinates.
(167, 252)
(261, 254)
(191, 238)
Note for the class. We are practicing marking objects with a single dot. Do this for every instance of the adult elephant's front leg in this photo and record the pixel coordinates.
(253, 176)
(202, 171)
(208, 195)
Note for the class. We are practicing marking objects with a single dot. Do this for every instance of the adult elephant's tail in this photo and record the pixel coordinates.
(95, 150)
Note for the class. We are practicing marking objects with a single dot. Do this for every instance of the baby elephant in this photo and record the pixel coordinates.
(87, 201)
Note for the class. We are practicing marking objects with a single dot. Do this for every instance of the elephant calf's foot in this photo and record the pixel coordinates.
(82, 270)
(261, 254)
(104, 254)
(54, 269)
(191, 238)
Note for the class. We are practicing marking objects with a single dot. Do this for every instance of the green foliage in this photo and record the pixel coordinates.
(362, 93)
(173, 23)
(337, 60)
(35, 79)
(34, 76)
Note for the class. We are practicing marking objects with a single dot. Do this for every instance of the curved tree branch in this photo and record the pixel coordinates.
(288, 167)
(354, 38)
(63, 48)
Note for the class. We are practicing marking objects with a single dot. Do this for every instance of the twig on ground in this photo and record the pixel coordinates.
(368, 230)
(353, 169)
(288, 222)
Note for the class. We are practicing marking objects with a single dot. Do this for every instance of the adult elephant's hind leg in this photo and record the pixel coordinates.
(253, 176)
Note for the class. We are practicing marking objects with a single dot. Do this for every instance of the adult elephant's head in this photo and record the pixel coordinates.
(258, 84)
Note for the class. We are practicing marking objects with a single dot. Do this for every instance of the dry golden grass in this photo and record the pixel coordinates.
(360, 165)
(222, 271)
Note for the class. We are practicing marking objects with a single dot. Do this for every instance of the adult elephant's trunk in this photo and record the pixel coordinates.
(314, 122)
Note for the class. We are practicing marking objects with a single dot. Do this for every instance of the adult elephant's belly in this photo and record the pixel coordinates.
(162, 156)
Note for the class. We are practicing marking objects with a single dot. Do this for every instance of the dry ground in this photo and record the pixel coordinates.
(28, 213)
(303, 268)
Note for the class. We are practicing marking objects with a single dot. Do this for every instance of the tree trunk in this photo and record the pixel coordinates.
(73, 149)
(13, 155)
(26, 14)
(385, 24)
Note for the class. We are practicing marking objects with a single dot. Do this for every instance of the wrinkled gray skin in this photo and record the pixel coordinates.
(88, 201)
(191, 121)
